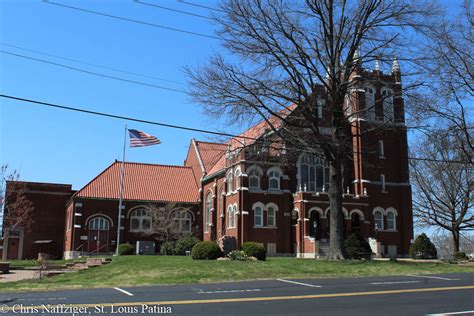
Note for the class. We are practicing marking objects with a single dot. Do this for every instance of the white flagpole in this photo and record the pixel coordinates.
(122, 175)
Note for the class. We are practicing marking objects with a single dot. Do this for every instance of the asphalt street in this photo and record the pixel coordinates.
(393, 295)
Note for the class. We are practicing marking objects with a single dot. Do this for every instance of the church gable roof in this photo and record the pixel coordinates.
(144, 182)
(210, 153)
(249, 136)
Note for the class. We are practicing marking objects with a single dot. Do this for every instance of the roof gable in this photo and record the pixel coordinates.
(210, 153)
(251, 135)
(144, 182)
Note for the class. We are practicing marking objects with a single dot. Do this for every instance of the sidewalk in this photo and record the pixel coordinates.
(17, 275)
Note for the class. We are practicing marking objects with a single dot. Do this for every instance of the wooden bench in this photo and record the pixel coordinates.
(5, 267)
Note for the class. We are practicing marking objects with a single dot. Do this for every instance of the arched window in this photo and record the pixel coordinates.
(271, 214)
(274, 174)
(313, 173)
(231, 210)
(258, 214)
(208, 211)
(254, 173)
(140, 220)
(378, 220)
(183, 221)
(221, 201)
(391, 219)
(315, 215)
(370, 101)
(387, 101)
(238, 173)
(99, 223)
(355, 222)
(230, 179)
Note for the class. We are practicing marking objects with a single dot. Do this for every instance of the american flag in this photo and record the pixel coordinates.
(142, 139)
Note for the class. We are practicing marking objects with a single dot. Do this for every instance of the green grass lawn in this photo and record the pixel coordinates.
(134, 271)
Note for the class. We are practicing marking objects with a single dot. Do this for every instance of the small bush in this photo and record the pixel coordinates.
(125, 249)
(238, 255)
(206, 250)
(167, 248)
(423, 248)
(460, 256)
(356, 246)
(253, 249)
(185, 244)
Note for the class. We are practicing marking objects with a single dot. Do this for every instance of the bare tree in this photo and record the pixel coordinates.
(446, 102)
(286, 53)
(170, 222)
(16, 208)
(444, 245)
(443, 189)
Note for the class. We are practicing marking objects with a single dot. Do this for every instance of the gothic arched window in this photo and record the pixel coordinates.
(274, 174)
(313, 173)
(370, 101)
(254, 173)
(230, 180)
(208, 211)
(387, 101)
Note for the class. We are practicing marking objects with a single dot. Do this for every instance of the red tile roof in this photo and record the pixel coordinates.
(144, 182)
(210, 153)
(249, 136)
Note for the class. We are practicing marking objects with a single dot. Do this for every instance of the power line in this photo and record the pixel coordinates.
(88, 64)
(200, 6)
(131, 20)
(173, 10)
(180, 127)
(75, 109)
(94, 73)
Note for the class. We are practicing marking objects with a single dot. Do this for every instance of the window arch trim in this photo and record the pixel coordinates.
(357, 211)
(344, 211)
(133, 209)
(99, 215)
(111, 222)
(318, 210)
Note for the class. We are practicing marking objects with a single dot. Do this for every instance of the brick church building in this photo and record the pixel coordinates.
(249, 192)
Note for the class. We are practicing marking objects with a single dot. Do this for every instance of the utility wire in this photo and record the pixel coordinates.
(180, 127)
(131, 20)
(200, 6)
(94, 73)
(174, 10)
(88, 64)
(120, 117)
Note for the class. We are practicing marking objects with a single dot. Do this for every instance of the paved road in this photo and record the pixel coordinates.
(395, 295)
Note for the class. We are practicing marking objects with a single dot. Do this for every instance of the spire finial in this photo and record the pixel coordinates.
(395, 65)
(377, 64)
(356, 57)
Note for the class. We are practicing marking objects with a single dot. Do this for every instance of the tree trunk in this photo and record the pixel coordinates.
(337, 250)
(455, 234)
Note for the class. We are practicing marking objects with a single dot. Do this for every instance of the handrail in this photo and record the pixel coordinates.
(97, 249)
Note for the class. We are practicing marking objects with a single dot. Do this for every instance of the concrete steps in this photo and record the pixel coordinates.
(323, 249)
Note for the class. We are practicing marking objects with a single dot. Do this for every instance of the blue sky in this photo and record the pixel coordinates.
(49, 145)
